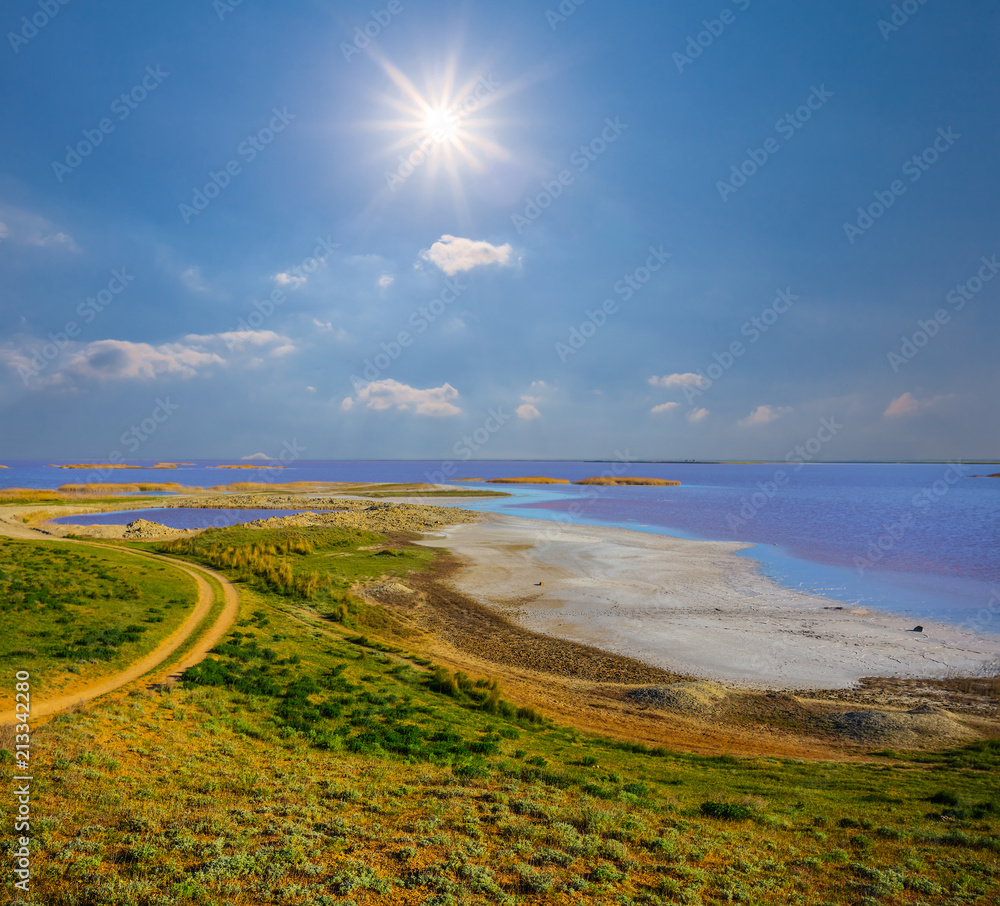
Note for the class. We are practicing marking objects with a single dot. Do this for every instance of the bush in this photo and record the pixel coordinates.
(727, 811)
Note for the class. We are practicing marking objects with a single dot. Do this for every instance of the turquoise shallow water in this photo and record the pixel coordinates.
(915, 538)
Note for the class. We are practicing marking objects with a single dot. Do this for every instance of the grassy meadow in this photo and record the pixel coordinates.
(73, 613)
(318, 757)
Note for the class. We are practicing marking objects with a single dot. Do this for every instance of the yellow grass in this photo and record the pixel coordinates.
(530, 479)
(28, 494)
(109, 488)
(659, 482)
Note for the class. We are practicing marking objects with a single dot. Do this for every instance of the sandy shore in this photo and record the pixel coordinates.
(691, 607)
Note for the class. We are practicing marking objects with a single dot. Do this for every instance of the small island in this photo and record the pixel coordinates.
(614, 482)
(530, 479)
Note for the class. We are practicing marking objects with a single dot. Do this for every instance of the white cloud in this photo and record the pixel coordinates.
(193, 280)
(385, 281)
(908, 404)
(289, 281)
(677, 380)
(257, 456)
(453, 254)
(339, 333)
(24, 227)
(391, 394)
(663, 407)
(121, 360)
(764, 415)
(529, 408)
(697, 415)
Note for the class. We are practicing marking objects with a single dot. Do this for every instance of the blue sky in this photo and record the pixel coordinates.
(574, 229)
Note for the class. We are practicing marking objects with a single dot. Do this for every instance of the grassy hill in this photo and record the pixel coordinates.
(318, 757)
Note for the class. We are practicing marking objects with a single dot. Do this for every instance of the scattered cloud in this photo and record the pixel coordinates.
(452, 254)
(385, 281)
(663, 407)
(257, 456)
(908, 404)
(687, 379)
(289, 281)
(528, 409)
(697, 415)
(339, 333)
(764, 415)
(193, 280)
(24, 227)
(391, 394)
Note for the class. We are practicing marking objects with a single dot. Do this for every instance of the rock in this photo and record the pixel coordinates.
(917, 629)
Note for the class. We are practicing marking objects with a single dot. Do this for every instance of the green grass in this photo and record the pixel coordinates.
(308, 761)
(72, 611)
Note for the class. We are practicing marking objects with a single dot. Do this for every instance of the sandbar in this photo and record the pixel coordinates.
(692, 607)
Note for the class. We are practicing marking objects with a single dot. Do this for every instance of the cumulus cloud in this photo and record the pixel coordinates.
(124, 360)
(697, 415)
(452, 254)
(764, 415)
(908, 404)
(528, 410)
(391, 394)
(676, 380)
(289, 281)
(385, 281)
(663, 407)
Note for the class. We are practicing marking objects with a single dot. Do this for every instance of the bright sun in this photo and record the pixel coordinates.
(443, 127)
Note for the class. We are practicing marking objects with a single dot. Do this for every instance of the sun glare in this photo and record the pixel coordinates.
(442, 129)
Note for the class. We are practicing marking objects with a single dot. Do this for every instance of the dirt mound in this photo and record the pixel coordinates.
(391, 588)
(697, 697)
(142, 529)
(917, 727)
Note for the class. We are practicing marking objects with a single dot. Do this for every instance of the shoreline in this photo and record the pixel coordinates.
(692, 607)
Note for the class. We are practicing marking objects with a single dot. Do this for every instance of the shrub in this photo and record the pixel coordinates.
(727, 811)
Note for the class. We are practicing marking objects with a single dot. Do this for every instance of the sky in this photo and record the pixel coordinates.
(573, 229)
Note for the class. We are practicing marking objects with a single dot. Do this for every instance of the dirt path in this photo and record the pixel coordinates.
(206, 600)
